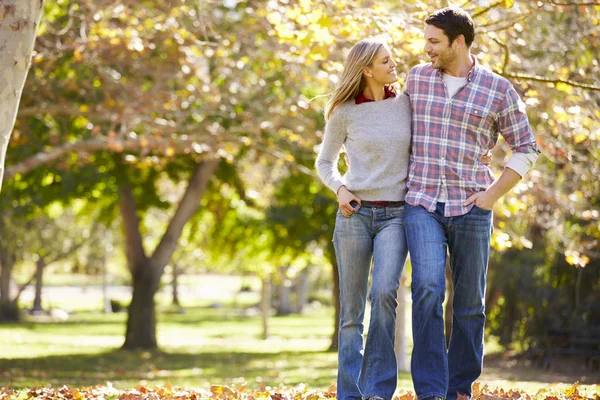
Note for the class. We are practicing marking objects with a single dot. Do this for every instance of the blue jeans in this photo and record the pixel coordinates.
(378, 234)
(437, 371)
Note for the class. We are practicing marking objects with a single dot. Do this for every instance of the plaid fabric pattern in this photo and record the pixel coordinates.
(449, 135)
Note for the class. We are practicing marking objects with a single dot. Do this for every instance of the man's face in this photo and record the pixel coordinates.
(438, 48)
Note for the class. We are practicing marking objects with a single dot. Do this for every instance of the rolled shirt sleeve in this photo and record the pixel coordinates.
(521, 163)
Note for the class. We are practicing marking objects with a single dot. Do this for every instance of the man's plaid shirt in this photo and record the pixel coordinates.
(449, 135)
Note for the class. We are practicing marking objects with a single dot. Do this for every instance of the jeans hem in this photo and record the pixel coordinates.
(374, 394)
(428, 395)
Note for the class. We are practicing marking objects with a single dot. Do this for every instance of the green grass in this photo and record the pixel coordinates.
(206, 346)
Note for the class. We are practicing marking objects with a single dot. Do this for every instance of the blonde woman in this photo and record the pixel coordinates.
(372, 122)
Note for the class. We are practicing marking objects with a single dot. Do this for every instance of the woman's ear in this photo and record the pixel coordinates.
(367, 73)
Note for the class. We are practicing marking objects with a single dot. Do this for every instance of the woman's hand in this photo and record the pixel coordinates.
(344, 199)
(486, 159)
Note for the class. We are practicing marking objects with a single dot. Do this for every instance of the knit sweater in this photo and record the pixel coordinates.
(376, 137)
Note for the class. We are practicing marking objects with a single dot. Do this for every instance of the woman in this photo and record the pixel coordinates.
(373, 124)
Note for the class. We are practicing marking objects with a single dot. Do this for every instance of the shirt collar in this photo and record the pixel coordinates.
(472, 72)
(361, 98)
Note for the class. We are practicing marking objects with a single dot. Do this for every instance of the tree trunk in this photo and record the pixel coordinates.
(141, 321)
(336, 296)
(40, 265)
(19, 20)
(283, 294)
(6, 266)
(108, 248)
(175, 284)
(301, 290)
(146, 272)
(400, 343)
(448, 313)
(578, 290)
(265, 306)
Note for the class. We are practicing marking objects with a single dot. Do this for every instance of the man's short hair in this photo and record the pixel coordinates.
(454, 22)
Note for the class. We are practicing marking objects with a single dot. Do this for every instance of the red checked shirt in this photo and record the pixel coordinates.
(449, 135)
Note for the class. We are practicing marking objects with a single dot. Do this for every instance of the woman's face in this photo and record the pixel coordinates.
(383, 68)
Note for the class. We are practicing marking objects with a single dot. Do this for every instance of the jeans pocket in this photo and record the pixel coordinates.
(478, 210)
(397, 212)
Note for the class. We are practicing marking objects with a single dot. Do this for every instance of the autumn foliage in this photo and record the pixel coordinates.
(300, 392)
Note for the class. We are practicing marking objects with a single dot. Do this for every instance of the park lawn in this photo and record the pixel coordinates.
(202, 347)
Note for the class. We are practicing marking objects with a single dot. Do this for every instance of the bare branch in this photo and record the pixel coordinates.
(585, 3)
(506, 55)
(280, 155)
(67, 26)
(507, 24)
(488, 8)
(68, 110)
(537, 78)
(179, 145)
(187, 207)
(22, 288)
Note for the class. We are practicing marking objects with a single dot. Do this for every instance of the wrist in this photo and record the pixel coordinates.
(343, 187)
(493, 194)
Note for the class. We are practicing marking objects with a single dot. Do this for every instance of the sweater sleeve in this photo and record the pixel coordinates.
(327, 160)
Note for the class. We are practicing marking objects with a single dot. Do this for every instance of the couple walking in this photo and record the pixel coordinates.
(417, 183)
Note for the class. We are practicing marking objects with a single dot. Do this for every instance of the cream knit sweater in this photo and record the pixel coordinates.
(376, 137)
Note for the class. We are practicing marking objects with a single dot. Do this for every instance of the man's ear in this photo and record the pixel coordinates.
(459, 41)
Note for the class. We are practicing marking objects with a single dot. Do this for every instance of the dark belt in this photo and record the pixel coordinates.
(374, 204)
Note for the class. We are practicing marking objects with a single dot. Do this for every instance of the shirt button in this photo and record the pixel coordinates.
(447, 120)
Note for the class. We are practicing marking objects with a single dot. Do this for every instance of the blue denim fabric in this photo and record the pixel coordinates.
(378, 234)
(437, 371)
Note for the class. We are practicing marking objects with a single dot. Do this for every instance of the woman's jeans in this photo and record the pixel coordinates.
(438, 371)
(378, 234)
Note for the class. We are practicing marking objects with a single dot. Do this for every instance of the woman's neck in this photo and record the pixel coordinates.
(375, 92)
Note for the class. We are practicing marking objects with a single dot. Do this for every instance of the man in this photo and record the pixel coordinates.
(459, 109)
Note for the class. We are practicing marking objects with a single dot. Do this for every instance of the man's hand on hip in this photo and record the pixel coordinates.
(482, 200)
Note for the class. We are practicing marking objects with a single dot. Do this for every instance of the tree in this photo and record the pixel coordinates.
(117, 111)
(19, 20)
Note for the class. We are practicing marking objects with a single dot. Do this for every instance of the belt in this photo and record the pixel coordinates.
(373, 204)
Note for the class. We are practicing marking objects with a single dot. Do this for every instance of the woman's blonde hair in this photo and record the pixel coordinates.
(352, 82)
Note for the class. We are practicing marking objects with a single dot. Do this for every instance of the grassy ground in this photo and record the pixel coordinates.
(207, 345)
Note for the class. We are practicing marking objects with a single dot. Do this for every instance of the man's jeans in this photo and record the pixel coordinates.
(378, 234)
(435, 370)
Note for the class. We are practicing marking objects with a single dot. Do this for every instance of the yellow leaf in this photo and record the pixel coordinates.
(76, 395)
(170, 151)
(509, 3)
(216, 389)
(77, 55)
(563, 87)
(580, 137)
(572, 390)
